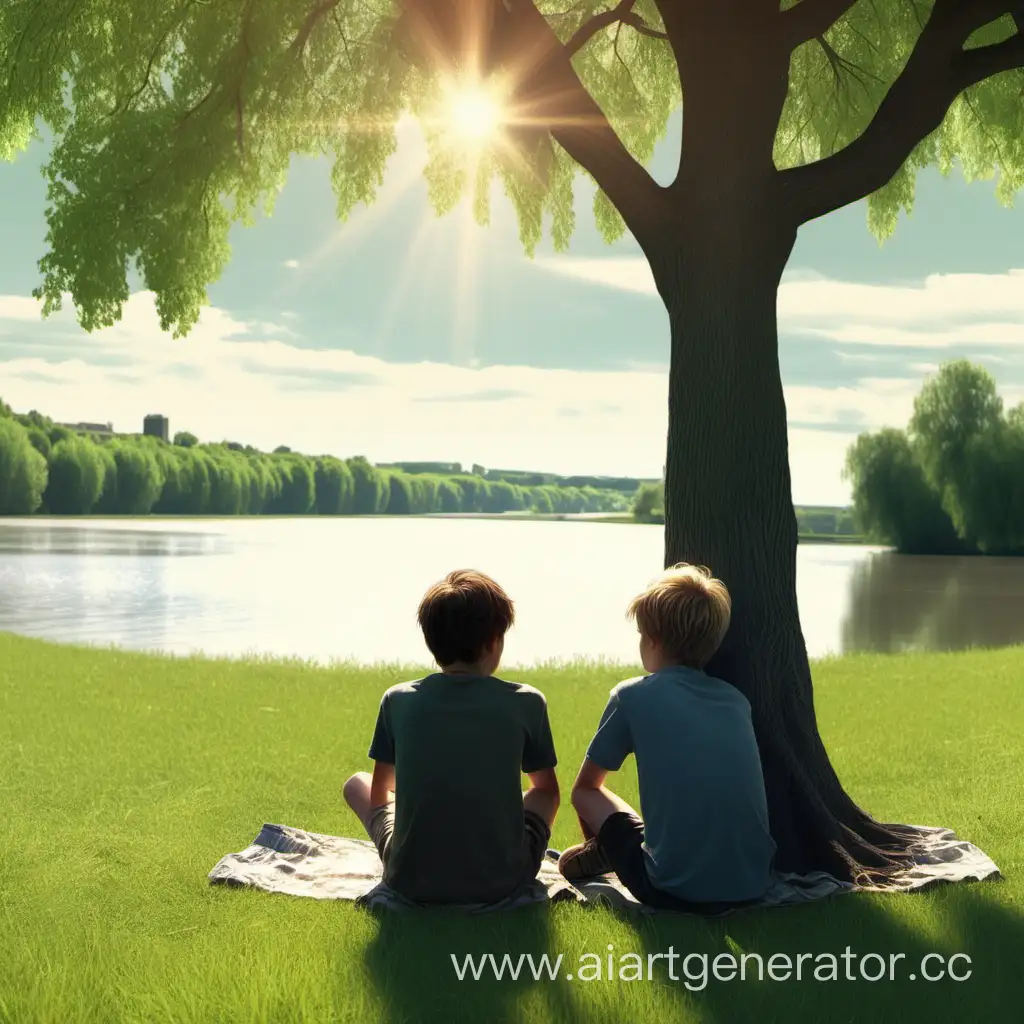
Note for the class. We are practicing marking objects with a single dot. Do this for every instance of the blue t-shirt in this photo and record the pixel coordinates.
(702, 793)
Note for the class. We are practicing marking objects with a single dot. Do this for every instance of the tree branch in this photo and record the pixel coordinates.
(938, 70)
(811, 19)
(312, 17)
(981, 62)
(246, 51)
(623, 14)
(635, 22)
(554, 99)
(136, 93)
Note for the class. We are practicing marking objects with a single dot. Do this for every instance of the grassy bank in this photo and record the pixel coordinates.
(126, 776)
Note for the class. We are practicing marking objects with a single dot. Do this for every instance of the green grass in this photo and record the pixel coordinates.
(125, 777)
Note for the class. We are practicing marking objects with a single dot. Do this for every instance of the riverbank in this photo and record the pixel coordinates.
(127, 776)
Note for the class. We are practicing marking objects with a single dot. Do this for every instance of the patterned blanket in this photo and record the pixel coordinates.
(288, 860)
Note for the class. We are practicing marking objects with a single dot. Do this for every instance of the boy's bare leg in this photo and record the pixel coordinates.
(543, 803)
(356, 792)
(595, 806)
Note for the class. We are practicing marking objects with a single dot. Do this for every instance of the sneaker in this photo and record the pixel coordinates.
(586, 860)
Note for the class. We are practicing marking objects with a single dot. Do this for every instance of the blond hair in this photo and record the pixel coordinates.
(687, 611)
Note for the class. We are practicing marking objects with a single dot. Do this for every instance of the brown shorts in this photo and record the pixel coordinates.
(381, 827)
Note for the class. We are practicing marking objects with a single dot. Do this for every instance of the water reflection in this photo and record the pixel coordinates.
(938, 603)
(69, 540)
(105, 585)
(348, 588)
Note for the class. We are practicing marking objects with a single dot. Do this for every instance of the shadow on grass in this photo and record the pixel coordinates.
(409, 963)
(889, 936)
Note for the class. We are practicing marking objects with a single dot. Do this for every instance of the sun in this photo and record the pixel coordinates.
(475, 113)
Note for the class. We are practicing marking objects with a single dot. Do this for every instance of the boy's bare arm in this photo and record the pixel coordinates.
(591, 776)
(546, 780)
(543, 796)
(382, 785)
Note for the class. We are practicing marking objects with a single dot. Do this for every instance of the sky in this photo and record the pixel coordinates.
(399, 335)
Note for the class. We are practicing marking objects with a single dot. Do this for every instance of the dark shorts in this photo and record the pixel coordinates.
(381, 827)
(538, 835)
(621, 840)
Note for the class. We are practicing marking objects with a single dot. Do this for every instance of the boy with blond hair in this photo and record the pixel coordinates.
(444, 805)
(703, 844)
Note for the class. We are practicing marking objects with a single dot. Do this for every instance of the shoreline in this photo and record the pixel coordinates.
(571, 663)
(626, 518)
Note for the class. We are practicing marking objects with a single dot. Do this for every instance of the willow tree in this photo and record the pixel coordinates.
(172, 118)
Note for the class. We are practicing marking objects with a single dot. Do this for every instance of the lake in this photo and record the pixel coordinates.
(339, 588)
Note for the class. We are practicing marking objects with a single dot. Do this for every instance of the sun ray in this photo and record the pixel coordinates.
(467, 279)
(478, 114)
(418, 270)
(405, 176)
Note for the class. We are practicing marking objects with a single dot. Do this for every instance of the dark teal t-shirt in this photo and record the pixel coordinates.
(459, 747)
(702, 798)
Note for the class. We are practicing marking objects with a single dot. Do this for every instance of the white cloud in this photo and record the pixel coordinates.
(816, 459)
(976, 335)
(222, 384)
(292, 264)
(628, 273)
(944, 310)
(939, 298)
(19, 307)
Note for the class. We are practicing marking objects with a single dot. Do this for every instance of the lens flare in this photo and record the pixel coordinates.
(475, 113)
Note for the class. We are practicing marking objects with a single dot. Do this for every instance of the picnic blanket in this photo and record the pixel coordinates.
(289, 860)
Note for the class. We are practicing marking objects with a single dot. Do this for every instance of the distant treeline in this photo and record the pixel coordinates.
(46, 468)
(524, 478)
(953, 481)
(812, 520)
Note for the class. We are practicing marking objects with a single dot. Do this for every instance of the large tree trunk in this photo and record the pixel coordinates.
(729, 506)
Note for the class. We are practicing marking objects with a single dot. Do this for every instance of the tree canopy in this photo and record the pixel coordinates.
(954, 480)
(22, 470)
(174, 118)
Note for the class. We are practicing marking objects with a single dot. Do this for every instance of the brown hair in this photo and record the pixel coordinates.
(462, 614)
(687, 611)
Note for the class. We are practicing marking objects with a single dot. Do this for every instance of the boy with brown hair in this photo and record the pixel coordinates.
(444, 805)
(703, 844)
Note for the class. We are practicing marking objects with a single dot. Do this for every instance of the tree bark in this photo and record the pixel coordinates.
(729, 504)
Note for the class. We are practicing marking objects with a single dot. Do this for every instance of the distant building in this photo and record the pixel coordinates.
(443, 468)
(105, 429)
(157, 426)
